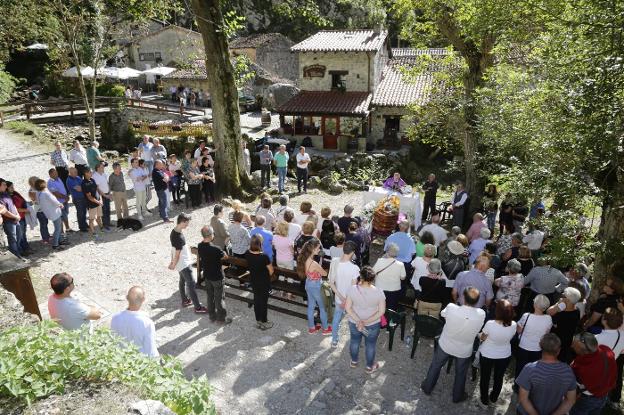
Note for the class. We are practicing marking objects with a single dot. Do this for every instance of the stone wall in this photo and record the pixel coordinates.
(378, 121)
(277, 58)
(175, 44)
(357, 64)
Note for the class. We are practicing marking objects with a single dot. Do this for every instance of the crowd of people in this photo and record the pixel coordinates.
(497, 294)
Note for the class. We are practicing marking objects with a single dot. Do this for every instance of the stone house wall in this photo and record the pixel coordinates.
(175, 45)
(378, 121)
(356, 63)
(276, 57)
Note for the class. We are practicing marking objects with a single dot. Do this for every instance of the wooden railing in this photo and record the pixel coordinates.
(72, 106)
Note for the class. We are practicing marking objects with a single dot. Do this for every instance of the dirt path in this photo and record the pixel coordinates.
(280, 371)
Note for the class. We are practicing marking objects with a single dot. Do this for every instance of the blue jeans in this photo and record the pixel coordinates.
(10, 229)
(81, 213)
(22, 242)
(313, 289)
(491, 220)
(281, 178)
(440, 357)
(106, 211)
(65, 210)
(338, 315)
(588, 405)
(370, 342)
(163, 203)
(58, 227)
(43, 226)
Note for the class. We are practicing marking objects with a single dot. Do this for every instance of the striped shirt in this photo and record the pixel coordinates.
(544, 394)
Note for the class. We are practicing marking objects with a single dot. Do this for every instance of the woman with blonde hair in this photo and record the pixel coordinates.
(41, 217)
(313, 273)
(237, 206)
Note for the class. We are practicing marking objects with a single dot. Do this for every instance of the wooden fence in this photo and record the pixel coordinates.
(169, 130)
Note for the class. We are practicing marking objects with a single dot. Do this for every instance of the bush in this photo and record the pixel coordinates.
(110, 90)
(59, 87)
(7, 85)
(26, 128)
(40, 360)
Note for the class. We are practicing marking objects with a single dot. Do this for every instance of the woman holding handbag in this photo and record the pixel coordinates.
(365, 306)
(531, 328)
(495, 350)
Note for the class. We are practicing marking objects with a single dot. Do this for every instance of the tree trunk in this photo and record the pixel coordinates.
(226, 131)
(474, 181)
(610, 259)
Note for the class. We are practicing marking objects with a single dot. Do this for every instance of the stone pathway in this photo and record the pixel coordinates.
(280, 371)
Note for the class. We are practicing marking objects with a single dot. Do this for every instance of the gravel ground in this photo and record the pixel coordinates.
(280, 371)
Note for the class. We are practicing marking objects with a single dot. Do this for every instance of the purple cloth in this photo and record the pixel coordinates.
(7, 201)
(57, 186)
(392, 184)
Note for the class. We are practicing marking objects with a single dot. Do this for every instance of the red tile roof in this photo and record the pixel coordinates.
(327, 102)
(343, 41)
(408, 52)
(399, 89)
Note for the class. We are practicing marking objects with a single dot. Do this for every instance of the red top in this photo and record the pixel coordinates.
(596, 371)
(19, 203)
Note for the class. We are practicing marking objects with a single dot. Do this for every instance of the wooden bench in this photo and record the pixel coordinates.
(243, 279)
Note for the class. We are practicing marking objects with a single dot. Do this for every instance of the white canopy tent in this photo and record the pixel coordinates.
(119, 73)
(86, 71)
(159, 70)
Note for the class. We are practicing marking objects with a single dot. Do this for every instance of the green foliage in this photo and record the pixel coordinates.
(39, 360)
(110, 90)
(7, 85)
(243, 70)
(25, 127)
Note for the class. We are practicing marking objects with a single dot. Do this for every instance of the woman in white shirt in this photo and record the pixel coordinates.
(531, 328)
(51, 207)
(613, 337)
(388, 276)
(420, 265)
(495, 350)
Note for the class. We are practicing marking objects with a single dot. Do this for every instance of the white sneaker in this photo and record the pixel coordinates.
(140, 218)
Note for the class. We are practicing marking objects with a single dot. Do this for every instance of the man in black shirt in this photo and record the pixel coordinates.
(94, 204)
(430, 188)
(160, 180)
(210, 257)
(345, 221)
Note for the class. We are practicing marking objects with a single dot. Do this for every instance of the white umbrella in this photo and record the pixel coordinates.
(86, 71)
(119, 73)
(38, 46)
(159, 70)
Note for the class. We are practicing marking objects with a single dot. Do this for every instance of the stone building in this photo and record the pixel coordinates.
(338, 73)
(169, 46)
(270, 51)
(353, 88)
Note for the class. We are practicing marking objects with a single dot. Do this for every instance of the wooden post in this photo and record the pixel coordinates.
(27, 111)
(1, 119)
(71, 111)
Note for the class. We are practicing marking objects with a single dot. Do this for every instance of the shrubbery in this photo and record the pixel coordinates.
(39, 360)
(7, 85)
(110, 90)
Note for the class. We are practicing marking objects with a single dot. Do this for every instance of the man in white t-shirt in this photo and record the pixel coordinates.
(303, 159)
(134, 325)
(439, 233)
(457, 340)
(140, 179)
(101, 180)
(70, 313)
(182, 262)
(342, 275)
(197, 154)
(145, 152)
(294, 229)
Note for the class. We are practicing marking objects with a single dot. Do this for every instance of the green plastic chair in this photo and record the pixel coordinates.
(395, 319)
(427, 327)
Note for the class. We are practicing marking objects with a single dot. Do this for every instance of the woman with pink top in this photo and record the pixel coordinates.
(310, 269)
(283, 247)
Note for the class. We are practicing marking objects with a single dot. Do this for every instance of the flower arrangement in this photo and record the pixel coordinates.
(389, 205)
